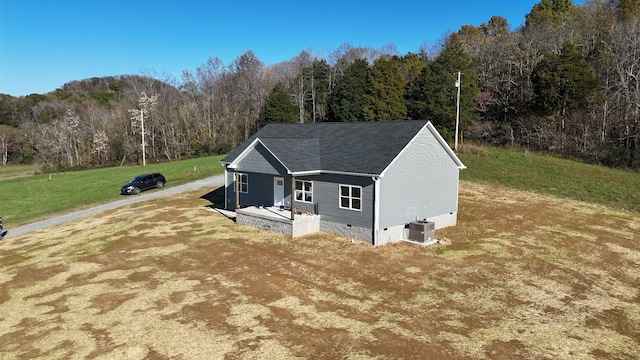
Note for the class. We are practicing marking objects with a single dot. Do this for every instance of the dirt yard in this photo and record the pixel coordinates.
(522, 276)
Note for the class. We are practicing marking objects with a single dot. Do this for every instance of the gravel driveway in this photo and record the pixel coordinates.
(213, 181)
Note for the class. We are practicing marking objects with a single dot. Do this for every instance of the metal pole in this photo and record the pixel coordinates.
(455, 146)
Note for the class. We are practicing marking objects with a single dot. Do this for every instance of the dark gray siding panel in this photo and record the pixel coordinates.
(327, 197)
(422, 182)
(260, 190)
(230, 190)
(260, 160)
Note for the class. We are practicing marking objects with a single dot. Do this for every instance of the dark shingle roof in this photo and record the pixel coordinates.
(360, 147)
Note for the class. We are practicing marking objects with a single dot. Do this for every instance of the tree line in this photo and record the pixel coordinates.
(566, 82)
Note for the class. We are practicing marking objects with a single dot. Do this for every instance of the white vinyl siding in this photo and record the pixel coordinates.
(421, 183)
(304, 191)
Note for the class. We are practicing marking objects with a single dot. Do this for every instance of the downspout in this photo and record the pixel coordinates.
(237, 190)
(293, 196)
(376, 209)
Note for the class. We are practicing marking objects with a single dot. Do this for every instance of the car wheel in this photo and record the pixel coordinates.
(136, 191)
(160, 184)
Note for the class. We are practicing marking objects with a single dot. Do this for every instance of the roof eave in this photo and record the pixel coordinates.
(445, 146)
(333, 172)
(234, 164)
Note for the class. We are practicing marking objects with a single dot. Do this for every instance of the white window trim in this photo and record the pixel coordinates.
(303, 191)
(350, 197)
(240, 175)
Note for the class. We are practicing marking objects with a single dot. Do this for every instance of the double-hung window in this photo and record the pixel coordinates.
(351, 197)
(304, 191)
(243, 182)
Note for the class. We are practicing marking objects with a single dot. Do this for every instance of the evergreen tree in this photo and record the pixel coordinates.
(410, 66)
(562, 82)
(348, 100)
(385, 94)
(279, 108)
(417, 98)
(441, 91)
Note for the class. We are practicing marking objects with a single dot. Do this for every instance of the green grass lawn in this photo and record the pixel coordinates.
(559, 177)
(25, 197)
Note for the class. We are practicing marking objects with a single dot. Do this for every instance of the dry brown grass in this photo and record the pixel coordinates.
(525, 277)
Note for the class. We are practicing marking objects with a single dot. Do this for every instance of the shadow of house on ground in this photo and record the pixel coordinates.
(216, 198)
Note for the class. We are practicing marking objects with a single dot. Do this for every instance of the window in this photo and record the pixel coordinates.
(304, 191)
(350, 197)
(243, 183)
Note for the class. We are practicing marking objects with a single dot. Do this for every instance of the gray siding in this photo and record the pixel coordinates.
(260, 190)
(422, 182)
(230, 190)
(325, 196)
(326, 199)
(260, 160)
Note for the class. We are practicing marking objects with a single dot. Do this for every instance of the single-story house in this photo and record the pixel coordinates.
(365, 180)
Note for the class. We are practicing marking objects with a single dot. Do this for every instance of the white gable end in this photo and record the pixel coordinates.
(421, 182)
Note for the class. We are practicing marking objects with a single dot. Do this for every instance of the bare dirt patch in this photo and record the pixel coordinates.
(524, 276)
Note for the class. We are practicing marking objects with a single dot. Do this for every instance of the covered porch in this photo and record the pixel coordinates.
(280, 220)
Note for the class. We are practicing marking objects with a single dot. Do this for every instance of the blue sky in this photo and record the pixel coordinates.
(47, 43)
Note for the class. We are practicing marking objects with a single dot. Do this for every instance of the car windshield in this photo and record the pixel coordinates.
(137, 179)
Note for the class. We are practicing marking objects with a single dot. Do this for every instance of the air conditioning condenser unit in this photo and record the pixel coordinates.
(422, 231)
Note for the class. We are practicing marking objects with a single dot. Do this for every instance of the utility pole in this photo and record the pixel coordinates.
(455, 146)
(144, 159)
(148, 103)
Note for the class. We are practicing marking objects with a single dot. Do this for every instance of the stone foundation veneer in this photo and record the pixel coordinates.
(304, 225)
(301, 226)
(351, 232)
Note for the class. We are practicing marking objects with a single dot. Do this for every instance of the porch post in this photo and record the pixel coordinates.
(237, 190)
(293, 196)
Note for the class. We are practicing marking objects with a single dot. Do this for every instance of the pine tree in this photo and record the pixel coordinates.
(385, 93)
(348, 100)
(441, 91)
(279, 108)
(562, 82)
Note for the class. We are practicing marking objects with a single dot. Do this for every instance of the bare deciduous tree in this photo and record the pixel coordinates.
(146, 107)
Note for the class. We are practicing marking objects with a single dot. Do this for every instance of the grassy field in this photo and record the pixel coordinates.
(553, 176)
(523, 275)
(26, 196)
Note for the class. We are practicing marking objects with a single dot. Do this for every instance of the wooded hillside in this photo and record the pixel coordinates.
(568, 82)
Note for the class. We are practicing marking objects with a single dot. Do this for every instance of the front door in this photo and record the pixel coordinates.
(278, 191)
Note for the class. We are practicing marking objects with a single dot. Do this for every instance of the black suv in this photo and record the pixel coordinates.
(142, 183)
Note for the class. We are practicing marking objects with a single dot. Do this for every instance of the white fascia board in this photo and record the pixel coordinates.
(247, 150)
(445, 146)
(440, 140)
(401, 152)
